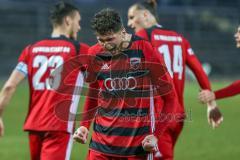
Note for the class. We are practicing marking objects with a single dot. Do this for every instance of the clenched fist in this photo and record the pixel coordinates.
(81, 135)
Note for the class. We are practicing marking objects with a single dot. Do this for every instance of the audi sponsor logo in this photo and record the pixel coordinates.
(122, 83)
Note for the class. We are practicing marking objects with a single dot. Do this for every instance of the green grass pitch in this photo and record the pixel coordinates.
(197, 142)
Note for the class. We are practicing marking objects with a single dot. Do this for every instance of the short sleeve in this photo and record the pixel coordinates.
(22, 65)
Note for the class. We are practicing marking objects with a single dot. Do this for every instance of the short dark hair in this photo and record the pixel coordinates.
(106, 21)
(150, 5)
(61, 10)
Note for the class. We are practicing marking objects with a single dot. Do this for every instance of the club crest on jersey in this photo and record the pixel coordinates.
(135, 62)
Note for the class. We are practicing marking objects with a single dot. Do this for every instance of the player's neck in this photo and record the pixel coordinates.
(151, 24)
(57, 32)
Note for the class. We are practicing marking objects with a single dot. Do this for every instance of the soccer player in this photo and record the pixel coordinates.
(49, 135)
(231, 90)
(178, 54)
(129, 80)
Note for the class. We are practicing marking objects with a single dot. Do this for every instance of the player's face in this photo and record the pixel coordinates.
(237, 37)
(75, 25)
(135, 19)
(111, 41)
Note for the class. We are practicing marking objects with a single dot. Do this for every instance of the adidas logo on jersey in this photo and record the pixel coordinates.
(105, 66)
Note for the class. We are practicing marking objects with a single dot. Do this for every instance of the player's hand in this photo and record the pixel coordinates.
(206, 96)
(150, 143)
(214, 115)
(81, 135)
(1, 127)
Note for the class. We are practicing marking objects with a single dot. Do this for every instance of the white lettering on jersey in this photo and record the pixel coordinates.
(51, 49)
(167, 38)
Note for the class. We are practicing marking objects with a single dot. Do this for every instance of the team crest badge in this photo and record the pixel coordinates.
(135, 63)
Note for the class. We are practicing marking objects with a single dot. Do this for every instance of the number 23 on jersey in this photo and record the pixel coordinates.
(53, 64)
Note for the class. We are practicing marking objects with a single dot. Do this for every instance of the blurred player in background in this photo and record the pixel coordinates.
(49, 136)
(125, 120)
(178, 54)
(231, 90)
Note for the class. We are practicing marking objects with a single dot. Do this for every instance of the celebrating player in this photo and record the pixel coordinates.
(49, 135)
(129, 80)
(231, 90)
(178, 54)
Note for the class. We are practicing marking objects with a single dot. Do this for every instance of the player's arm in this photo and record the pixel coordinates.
(164, 87)
(7, 92)
(229, 91)
(170, 102)
(196, 67)
(90, 106)
(88, 113)
(13, 81)
(207, 96)
(213, 113)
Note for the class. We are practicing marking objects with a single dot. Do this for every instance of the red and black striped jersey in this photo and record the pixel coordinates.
(178, 55)
(38, 61)
(129, 85)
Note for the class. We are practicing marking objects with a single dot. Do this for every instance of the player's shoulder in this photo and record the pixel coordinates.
(180, 37)
(170, 32)
(95, 49)
(82, 44)
(139, 43)
(136, 38)
(143, 33)
(140, 46)
(59, 39)
(83, 48)
(171, 35)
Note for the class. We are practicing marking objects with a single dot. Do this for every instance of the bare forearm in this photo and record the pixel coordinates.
(5, 96)
(9, 89)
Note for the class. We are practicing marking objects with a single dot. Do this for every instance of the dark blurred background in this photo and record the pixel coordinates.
(209, 25)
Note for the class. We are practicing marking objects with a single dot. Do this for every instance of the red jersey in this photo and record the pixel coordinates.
(228, 91)
(177, 54)
(126, 112)
(37, 62)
